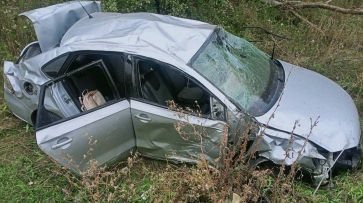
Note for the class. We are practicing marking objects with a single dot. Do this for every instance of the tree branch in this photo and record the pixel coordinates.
(292, 6)
(293, 12)
(321, 5)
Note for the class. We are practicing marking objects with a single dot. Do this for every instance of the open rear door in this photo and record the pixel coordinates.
(104, 133)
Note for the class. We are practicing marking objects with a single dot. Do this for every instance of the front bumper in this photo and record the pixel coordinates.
(311, 158)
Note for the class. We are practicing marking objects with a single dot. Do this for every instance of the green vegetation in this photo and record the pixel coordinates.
(28, 175)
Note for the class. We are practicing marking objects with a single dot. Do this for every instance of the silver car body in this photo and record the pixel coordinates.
(174, 41)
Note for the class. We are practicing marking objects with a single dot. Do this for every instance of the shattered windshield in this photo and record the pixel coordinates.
(244, 73)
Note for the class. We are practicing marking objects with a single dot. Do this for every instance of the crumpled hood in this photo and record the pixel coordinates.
(309, 95)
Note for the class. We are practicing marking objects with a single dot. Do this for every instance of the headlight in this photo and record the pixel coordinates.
(318, 163)
(7, 85)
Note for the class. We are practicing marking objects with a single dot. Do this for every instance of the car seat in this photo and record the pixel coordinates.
(153, 86)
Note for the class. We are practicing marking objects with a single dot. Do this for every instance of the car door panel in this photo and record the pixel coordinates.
(110, 127)
(104, 133)
(157, 137)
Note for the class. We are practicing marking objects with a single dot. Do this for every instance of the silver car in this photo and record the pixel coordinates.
(132, 64)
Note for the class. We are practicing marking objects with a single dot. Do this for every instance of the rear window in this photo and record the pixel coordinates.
(52, 68)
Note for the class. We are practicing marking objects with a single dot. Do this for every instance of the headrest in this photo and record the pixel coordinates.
(152, 78)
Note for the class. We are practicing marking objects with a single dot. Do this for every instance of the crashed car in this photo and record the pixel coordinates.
(110, 75)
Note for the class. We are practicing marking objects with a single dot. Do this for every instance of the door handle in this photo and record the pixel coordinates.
(62, 144)
(144, 117)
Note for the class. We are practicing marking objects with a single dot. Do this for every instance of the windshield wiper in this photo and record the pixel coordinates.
(267, 32)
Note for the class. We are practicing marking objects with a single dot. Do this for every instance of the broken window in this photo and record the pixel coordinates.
(244, 73)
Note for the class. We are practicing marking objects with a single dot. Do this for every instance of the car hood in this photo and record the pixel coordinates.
(52, 22)
(309, 96)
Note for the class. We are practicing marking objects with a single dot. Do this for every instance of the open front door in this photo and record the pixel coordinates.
(106, 129)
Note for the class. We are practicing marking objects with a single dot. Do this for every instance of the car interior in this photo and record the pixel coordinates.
(93, 82)
(160, 84)
(79, 84)
(89, 84)
(113, 62)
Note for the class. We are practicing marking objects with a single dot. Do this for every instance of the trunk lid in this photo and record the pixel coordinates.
(52, 22)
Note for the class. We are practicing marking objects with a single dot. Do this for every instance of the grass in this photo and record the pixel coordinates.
(28, 175)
